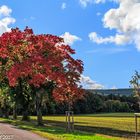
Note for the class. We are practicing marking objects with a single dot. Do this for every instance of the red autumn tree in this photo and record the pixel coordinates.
(40, 59)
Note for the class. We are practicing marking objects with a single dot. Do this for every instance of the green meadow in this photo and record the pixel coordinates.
(108, 126)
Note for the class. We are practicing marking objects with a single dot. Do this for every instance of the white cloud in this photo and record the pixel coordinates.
(119, 39)
(84, 3)
(5, 11)
(88, 83)
(95, 38)
(69, 38)
(6, 19)
(63, 6)
(99, 1)
(125, 20)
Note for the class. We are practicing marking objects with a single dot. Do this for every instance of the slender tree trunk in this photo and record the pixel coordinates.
(25, 116)
(25, 112)
(69, 106)
(1, 112)
(6, 112)
(6, 109)
(39, 117)
(39, 96)
(15, 112)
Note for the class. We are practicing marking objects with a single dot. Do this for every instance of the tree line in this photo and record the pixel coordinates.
(91, 103)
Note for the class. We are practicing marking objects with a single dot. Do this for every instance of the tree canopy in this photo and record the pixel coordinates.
(39, 59)
(32, 63)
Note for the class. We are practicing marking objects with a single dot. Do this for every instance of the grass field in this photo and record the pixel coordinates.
(109, 126)
(112, 124)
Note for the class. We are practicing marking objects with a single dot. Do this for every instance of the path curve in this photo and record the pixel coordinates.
(10, 132)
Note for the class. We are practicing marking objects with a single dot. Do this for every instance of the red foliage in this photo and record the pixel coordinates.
(40, 59)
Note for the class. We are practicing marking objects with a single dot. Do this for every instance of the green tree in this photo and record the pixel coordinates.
(135, 82)
(5, 102)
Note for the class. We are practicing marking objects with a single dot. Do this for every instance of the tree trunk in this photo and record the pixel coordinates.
(15, 112)
(6, 109)
(39, 117)
(6, 113)
(25, 113)
(69, 106)
(1, 112)
(25, 116)
(39, 96)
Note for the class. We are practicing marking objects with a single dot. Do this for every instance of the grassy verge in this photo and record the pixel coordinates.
(54, 132)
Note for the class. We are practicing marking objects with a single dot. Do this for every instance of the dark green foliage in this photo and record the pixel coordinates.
(116, 106)
(95, 102)
(91, 103)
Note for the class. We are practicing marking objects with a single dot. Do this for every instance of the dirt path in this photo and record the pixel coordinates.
(10, 132)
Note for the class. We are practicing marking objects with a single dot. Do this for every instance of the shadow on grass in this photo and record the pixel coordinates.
(58, 128)
(47, 128)
(119, 114)
(99, 130)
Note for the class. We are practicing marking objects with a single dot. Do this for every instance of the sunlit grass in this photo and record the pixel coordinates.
(119, 121)
(112, 124)
(56, 133)
(105, 126)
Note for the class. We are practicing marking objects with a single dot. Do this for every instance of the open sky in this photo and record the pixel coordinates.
(104, 33)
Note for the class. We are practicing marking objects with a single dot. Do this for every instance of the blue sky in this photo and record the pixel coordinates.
(106, 40)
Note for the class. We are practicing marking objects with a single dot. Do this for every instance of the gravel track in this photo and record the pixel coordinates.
(10, 132)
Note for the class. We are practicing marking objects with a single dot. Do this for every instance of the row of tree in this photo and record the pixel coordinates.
(96, 103)
(91, 103)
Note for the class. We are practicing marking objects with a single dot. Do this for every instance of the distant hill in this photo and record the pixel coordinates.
(126, 92)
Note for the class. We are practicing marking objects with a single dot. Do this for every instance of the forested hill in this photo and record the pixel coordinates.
(126, 92)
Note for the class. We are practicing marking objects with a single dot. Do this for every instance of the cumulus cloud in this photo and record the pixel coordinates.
(88, 83)
(119, 39)
(5, 11)
(6, 19)
(63, 6)
(69, 38)
(125, 20)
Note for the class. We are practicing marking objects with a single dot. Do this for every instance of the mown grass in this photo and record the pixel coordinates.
(112, 124)
(54, 132)
(117, 123)
(105, 126)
